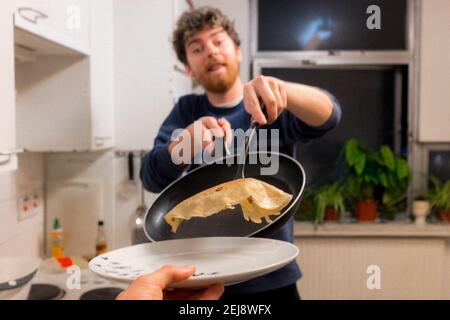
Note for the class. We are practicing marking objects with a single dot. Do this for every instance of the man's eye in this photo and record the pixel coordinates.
(196, 50)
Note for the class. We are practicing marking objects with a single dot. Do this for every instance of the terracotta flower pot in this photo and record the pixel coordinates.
(331, 214)
(443, 215)
(366, 210)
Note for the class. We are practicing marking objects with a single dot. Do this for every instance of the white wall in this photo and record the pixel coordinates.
(143, 67)
(125, 207)
(434, 72)
(92, 166)
(21, 237)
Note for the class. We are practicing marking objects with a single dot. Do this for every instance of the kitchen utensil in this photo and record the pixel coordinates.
(290, 178)
(217, 260)
(15, 277)
(244, 155)
(138, 235)
(129, 187)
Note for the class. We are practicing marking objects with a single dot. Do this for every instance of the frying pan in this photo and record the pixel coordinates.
(230, 222)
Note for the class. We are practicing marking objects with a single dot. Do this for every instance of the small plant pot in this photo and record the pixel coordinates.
(443, 215)
(366, 210)
(420, 210)
(331, 214)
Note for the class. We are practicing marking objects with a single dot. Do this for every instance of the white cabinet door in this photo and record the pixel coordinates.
(102, 74)
(67, 18)
(434, 114)
(66, 102)
(8, 158)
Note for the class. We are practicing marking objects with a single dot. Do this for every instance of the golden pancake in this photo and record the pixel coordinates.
(257, 199)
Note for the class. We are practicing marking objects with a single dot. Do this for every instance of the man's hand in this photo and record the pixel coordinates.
(273, 94)
(202, 138)
(152, 286)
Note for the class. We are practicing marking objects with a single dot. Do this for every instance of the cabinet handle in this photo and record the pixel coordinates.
(99, 141)
(39, 14)
(8, 154)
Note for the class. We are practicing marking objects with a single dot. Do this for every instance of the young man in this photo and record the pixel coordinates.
(207, 44)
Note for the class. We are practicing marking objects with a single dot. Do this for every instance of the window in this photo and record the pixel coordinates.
(439, 164)
(287, 25)
(368, 97)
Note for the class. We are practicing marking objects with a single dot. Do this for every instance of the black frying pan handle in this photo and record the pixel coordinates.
(130, 166)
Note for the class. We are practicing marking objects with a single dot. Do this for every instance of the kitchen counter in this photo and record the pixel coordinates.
(392, 229)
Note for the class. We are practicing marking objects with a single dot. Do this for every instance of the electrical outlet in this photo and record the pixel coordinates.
(37, 206)
(29, 205)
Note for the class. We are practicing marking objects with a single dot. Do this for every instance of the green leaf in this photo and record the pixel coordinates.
(383, 179)
(392, 179)
(402, 169)
(386, 198)
(388, 157)
(352, 152)
(360, 164)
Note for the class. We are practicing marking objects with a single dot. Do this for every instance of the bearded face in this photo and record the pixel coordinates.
(213, 60)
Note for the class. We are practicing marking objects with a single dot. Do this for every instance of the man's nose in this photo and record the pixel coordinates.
(211, 49)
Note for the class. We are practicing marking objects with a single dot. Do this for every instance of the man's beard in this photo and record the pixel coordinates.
(221, 83)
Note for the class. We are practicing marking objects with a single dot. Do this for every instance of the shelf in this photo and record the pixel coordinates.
(364, 230)
(33, 39)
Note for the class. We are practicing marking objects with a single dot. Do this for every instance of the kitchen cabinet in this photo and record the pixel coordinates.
(373, 261)
(8, 158)
(102, 75)
(65, 100)
(434, 108)
(65, 21)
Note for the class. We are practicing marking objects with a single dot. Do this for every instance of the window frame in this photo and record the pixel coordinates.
(350, 58)
(411, 25)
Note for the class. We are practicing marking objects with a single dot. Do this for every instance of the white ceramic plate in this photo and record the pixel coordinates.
(226, 260)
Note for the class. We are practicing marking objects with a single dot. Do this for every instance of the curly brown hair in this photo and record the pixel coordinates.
(193, 21)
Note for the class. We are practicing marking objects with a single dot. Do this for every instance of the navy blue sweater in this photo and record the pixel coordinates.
(158, 170)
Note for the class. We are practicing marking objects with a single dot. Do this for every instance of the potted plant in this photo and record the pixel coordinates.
(394, 177)
(361, 180)
(374, 179)
(306, 209)
(439, 196)
(329, 203)
(420, 209)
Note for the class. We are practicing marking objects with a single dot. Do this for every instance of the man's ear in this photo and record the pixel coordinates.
(239, 54)
(188, 70)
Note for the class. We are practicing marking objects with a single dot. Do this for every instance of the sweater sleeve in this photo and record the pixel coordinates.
(158, 170)
(293, 129)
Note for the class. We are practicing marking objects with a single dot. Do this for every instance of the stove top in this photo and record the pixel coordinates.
(40, 291)
(65, 286)
(101, 294)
